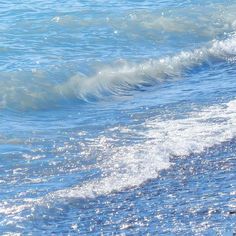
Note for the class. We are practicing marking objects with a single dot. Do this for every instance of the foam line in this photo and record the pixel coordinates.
(132, 165)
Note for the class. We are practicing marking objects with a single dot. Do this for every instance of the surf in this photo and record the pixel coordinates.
(33, 90)
(129, 166)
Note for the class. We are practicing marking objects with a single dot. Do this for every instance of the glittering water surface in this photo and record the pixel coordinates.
(118, 118)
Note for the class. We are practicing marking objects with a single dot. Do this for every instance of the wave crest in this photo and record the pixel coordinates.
(33, 91)
(127, 76)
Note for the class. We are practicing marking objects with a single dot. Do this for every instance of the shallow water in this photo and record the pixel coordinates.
(118, 118)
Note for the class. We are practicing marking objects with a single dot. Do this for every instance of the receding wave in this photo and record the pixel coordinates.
(32, 90)
(131, 165)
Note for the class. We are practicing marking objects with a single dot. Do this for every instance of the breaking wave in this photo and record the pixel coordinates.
(34, 90)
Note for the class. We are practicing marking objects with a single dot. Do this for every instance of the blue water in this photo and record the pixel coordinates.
(118, 118)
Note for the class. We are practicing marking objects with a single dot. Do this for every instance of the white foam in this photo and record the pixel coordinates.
(131, 165)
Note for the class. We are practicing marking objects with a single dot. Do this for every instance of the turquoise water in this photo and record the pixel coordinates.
(118, 118)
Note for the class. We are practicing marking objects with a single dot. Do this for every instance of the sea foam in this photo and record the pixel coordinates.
(131, 165)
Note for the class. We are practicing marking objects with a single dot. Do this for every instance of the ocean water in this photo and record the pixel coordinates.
(118, 117)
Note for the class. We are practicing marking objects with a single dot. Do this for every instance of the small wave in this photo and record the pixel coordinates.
(160, 25)
(33, 91)
(208, 21)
